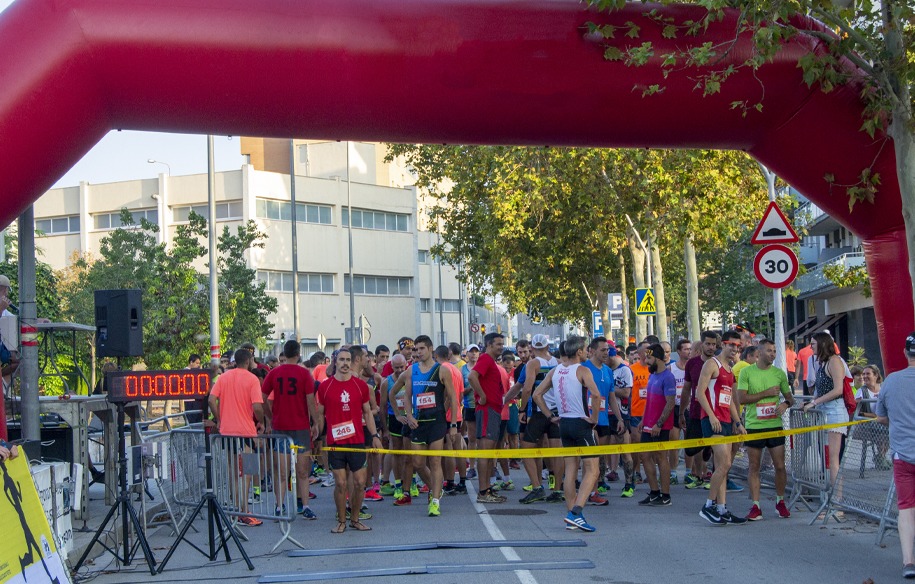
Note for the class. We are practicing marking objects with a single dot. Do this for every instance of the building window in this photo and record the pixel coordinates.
(58, 225)
(113, 220)
(377, 220)
(449, 305)
(316, 283)
(304, 212)
(423, 256)
(228, 211)
(424, 304)
(378, 285)
(276, 281)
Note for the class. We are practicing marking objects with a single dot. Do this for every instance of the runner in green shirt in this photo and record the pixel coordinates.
(759, 389)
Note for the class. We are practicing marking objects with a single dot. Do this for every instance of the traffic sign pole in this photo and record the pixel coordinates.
(780, 346)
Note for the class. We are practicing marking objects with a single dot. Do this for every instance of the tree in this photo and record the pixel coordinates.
(877, 38)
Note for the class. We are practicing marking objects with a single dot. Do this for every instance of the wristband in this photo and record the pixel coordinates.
(453, 425)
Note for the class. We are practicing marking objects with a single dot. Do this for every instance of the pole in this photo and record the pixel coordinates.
(295, 244)
(352, 283)
(441, 302)
(211, 230)
(649, 322)
(461, 297)
(777, 292)
(28, 314)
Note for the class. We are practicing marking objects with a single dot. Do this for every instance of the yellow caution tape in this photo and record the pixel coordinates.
(601, 450)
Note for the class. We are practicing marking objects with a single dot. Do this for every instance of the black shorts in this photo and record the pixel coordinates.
(538, 425)
(605, 431)
(693, 432)
(708, 432)
(664, 436)
(676, 416)
(368, 435)
(470, 415)
(613, 421)
(429, 431)
(395, 428)
(346, 460)
(766, 443)
(575, 432)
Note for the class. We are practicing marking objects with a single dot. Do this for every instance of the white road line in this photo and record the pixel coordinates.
(495, 533)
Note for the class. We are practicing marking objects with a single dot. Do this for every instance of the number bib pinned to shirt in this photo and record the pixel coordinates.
(343, 430)
(399, 402)
(603, 405)
(724, 396)
(766, 411)
(425, 401)
(643, 393)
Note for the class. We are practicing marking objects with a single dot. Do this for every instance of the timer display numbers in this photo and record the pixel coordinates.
(127, 386)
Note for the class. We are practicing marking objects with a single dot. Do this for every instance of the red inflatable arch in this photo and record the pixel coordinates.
(457, 71)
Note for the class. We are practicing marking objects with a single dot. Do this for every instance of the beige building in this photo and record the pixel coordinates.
(397, 287)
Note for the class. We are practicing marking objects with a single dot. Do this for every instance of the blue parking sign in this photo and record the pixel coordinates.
(597, 324)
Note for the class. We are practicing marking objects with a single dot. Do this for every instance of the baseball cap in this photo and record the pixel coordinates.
(473, 347)
(657, 351)
(910, 343)
(4, 281)
(540, 341)
(611, 351)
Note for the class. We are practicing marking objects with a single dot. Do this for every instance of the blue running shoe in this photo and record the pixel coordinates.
(579, 522)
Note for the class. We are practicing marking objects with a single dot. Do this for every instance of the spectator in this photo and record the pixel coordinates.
(896, 408)
(803, 357)
(856, 380)
(790, 361)
(870, 390)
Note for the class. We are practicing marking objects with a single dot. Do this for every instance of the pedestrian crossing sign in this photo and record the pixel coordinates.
(644, 301)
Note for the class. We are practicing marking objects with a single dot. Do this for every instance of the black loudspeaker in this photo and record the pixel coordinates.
(119, 323)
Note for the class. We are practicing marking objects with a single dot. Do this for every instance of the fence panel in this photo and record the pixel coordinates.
(807, 458)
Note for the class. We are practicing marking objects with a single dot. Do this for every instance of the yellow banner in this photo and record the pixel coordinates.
(601, 450)
(28, 553)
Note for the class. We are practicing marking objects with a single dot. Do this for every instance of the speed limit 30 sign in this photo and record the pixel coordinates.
(775, 266)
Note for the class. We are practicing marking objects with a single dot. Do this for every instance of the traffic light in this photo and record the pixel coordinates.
(483, 329)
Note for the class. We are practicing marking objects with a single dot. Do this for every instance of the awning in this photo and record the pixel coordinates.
(829, 322)
(802, 326)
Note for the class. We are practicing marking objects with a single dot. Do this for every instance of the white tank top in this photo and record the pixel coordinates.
(569, 392)
(550, 396)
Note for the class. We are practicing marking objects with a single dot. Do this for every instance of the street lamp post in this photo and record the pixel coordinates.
(215, 349)
(152, 161)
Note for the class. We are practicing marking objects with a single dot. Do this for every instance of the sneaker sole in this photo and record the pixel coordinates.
(712, 521)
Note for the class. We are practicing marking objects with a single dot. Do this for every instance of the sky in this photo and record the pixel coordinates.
(123, 155)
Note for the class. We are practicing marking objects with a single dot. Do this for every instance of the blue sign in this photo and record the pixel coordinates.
(597, 324)
(644, 301)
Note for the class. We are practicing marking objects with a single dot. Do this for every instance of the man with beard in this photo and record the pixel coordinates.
(656, 424)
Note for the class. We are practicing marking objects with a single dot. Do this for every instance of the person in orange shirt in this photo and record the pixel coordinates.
(453, 439)
(790, 361)
(640, 376)
(801, 368)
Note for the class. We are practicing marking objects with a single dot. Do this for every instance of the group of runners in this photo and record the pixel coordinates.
(450, 399)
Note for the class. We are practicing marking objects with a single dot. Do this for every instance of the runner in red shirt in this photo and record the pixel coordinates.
(289, 397)
(487, 388)
(342, 405)
(716, 396)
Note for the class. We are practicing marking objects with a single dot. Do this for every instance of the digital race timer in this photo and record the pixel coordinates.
(126, 386)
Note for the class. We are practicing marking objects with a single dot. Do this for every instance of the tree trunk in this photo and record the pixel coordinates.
(604, 308)
(638, 281)
(693, 323)
(658, 283)
(624, 293)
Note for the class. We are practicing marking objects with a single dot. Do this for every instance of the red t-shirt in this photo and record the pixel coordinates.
(457, 380)
(490, 381)
(288, 386)
(387, 370)
(719, 394)
(342, 401)
(693, 372)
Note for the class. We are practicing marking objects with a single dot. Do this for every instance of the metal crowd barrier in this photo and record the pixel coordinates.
(806, 459)
(268, 461)
(740, 466)
(186, 468)
(866, 472)
(890, 518)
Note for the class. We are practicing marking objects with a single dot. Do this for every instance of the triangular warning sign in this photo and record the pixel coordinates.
(774, 228)
(647, 305)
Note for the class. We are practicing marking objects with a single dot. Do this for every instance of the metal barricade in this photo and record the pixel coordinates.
(890, 518)
(255, 477)
(187, 467)
(158, 480)
(866, 471)
(806, 458)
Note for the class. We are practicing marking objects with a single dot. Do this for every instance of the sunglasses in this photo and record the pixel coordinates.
(732, 343)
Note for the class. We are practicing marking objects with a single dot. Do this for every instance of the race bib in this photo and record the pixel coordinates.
(603, 405)
(399, 402)
(677, 401)
(724, 396)
(425, 400)
(766, 411)
(343, 430)
(643, 393)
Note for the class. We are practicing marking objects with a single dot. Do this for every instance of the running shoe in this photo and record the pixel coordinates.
(639, 479)
(495, 486)
(373, 495)
(597, 500)
(328, 480)
(711, 515)
(612, 477)
(552, 482)
(732, 519)
(782, 509)
(414, 490)
(279, 512)
(319, 470)
(307, 513)
(250, 521)
(908, 571)
(471, 473)
(689, 478)
(448, 488)
(386, 490)
(299, 506)
(508, 485)
(579, 522)
(365, 508)
(460, 489)
(404, 499)
(734, 487)
(488, 496)
(602, 487)
(434, 510)
(648, 500)
(628, 490)
(398, 492)
(422, 489)
(755, 513)
(673, 479)
(312, 495)
(555, 497)
(527, 488)
(535, 495)
(707, 485)
(255, 496)
(661, 501)
(514, 465)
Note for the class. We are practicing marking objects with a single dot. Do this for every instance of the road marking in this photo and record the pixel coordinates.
(524, 576)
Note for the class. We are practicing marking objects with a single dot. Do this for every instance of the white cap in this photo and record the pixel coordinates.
(4, 281)
(540, 341)
(472, 347)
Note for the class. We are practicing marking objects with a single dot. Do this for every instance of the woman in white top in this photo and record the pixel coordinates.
(870, 389)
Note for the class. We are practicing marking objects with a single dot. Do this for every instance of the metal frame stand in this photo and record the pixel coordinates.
(216, 517)
(127, 511)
